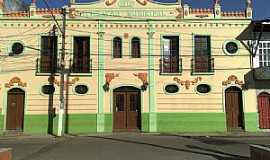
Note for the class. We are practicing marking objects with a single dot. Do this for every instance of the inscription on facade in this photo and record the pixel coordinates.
(124, 13)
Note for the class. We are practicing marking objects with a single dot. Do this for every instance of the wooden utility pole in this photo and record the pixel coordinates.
(61, 114)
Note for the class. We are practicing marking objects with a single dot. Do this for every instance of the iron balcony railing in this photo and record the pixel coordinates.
(202, 65)
(82, 65)
(46, 66)
(170, 65)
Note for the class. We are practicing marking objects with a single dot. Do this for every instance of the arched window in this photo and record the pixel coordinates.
(117, 47)
(135, 48)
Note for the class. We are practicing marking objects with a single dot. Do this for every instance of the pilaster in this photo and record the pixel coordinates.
(101, 79)
(151, 77)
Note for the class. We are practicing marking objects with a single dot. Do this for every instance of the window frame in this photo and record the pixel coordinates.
(44, 84)
(193, 72)
(199, 93)
(179, 52)
(9, 49)
(225, 50)
(131, 47)
(122, 46)
(264, 58)
(78, 84)
(40, 54)
(89, 55)
(167, 84)
(90, 51)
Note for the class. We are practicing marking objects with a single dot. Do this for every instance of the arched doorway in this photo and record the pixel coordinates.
(234, 109)
(126, 109)
(264, 110)
(15, 110)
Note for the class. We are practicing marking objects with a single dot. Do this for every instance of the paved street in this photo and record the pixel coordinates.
(133, 146)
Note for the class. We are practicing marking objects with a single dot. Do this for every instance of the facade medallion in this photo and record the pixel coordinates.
(187, 83)
(233, 79)
(14, 81)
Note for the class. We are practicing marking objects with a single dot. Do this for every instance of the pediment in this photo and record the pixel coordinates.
(126, 9)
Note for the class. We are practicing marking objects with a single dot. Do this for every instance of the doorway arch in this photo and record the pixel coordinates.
(234, 109)
(264, 110)
(126, 109)
(15, 110)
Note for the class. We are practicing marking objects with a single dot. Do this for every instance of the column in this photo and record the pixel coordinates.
(101, 79)
(151, 74)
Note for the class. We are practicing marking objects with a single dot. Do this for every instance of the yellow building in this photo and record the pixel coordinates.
(130, 65)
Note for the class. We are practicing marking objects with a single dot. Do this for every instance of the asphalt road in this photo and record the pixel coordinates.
(127, 146)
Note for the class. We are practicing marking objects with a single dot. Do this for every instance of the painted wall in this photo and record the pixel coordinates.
(185, 111)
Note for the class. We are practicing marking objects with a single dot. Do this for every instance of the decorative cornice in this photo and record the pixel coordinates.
(48, 11)
(179, 13)
(231, 79)
(200, 11)
(15, 80)
(233, 14)
(187, 83)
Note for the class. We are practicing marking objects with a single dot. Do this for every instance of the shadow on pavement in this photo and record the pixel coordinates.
(228, 155)
(214, 141)
(214, 154)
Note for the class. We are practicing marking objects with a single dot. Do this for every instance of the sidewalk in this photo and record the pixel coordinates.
(216, 134)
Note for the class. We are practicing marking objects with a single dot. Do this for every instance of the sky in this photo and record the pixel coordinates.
(261, 8)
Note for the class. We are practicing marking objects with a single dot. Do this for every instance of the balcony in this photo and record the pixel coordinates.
(46, 66)
(202, 65)
(262, 73)
(170, 65)
(81, 66)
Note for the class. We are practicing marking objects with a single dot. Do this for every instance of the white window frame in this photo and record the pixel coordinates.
(263, 49)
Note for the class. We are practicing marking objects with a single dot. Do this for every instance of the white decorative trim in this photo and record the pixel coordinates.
(77, 84)
(231, 54)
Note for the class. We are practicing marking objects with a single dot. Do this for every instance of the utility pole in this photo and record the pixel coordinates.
(61, 114)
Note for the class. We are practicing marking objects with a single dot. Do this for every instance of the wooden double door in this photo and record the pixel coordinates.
(127, 109)
(234, 109)
(15, 110)
(264, 110)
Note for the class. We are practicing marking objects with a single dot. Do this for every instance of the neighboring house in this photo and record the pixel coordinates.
(258, 77)
(132, 65)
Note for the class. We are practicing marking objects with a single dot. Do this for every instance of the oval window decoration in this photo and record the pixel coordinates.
(171, 88)
(81, 89)
(17, 48)
(203, 88)
(231, 47)
(48, 89)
